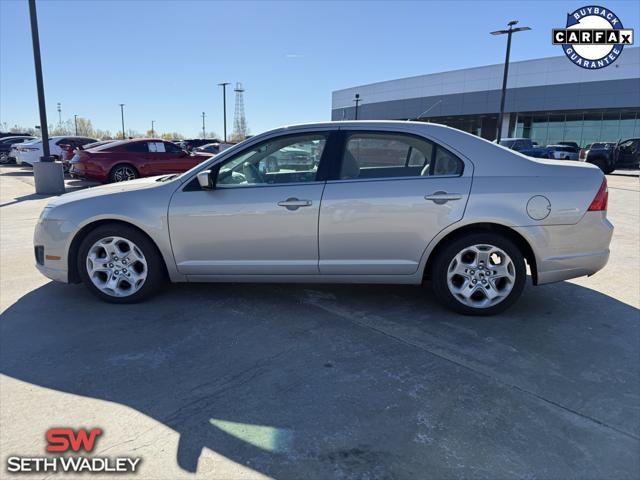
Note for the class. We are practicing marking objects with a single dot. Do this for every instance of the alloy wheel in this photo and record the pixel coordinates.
(481, 276)
(123, 173)
(116, 266)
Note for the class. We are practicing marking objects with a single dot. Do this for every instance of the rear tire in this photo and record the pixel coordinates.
(119, 264)
(123, 172)
(478, 274)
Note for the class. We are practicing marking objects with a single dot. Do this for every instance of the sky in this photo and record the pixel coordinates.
(164, 59)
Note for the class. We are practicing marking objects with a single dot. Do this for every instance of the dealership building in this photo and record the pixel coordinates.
(548, 100)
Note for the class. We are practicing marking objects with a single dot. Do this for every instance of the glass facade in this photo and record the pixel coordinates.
(580, 127)
(548, 128)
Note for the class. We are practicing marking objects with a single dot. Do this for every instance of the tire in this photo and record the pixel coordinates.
(608, 170)
(123, 172)
(142, 259)
(458, 254)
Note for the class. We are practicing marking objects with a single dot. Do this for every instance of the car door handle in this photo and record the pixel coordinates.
(294, 203)
(442, 197)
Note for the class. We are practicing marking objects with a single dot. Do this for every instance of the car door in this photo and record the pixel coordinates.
(393, 194)
(254, 221)
(628, 153)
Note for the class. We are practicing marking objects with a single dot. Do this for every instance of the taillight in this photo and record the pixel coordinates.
(601, 199)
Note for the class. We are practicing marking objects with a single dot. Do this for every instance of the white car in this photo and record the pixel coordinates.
(30, 152)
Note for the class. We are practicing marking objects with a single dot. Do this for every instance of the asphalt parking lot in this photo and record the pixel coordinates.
(236, 381)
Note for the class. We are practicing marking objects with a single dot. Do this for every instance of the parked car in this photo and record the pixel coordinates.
(122, 160)
(14, 134)
(292, 158)
(527, 147)
(6, 144)
(192, 143)
(563, 152)
(30, 152)
(213, 148)
(623, 154)
(582, 156)
(445, 206)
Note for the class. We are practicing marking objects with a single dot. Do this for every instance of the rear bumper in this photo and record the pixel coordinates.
(89, 172)
(569, 251)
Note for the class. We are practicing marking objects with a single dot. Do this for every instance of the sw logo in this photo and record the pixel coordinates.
(68, 440)
(593, 38)
(65, 439)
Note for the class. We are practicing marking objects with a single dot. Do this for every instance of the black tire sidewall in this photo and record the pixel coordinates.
(115, 167)
(444, 257)
(155, 268)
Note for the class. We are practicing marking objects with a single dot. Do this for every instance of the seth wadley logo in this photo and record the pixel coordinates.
(593, 38)
(64, 440)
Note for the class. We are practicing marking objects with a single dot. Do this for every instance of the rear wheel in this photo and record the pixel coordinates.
(479, 274)
(122, 173)
(119, 264)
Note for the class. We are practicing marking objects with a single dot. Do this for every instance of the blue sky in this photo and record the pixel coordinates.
(163, 59)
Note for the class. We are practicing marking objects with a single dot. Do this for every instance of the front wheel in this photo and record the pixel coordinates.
(119, 264)
(479, 274)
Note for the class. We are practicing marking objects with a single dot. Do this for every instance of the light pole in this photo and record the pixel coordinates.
(357, 100)
(153, 132)
(122, 117)
(203, 132)
(224, 107)
(508, 32)
(75, 122)
(48, 175)
(59, 114)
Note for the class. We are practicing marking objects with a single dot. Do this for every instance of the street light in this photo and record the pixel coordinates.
(75, 122)
(122, 117)
(204, 135)
(357, 100)
(224, 107)
(508, 32)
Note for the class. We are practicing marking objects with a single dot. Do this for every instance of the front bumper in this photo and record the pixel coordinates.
(569, 251)
(52, 236)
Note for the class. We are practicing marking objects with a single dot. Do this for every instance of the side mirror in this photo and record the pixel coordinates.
(207, 178)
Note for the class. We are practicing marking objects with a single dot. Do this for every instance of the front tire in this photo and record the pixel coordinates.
(478, 274)
(119, 264)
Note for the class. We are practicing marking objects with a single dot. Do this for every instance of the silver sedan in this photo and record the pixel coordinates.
(383, 202)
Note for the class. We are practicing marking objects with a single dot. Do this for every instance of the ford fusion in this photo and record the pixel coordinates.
(377, 202)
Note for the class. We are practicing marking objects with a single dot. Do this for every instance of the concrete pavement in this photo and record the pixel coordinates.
(291, 381)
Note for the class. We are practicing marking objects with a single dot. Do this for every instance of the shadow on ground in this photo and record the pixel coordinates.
(352, 381)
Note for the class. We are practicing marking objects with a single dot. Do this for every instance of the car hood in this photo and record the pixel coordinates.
(110, 189)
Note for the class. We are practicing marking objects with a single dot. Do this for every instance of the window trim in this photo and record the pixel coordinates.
(345, 134)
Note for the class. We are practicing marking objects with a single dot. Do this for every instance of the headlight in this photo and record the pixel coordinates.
(46, 211)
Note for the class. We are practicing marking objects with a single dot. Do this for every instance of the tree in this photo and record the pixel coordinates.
(172, 136)
(84, 127)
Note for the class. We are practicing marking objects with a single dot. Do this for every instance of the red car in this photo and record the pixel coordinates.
(128, 159)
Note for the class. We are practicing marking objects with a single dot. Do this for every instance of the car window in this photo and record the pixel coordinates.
(388, 155)
(171, 148)
(139, 147)
(289, 159)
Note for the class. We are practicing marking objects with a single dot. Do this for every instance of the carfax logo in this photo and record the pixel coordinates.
(593, 38)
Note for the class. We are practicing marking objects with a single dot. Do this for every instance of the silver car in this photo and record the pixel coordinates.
(389, 202)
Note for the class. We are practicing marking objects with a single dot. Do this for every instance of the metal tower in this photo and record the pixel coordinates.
(239, 120)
